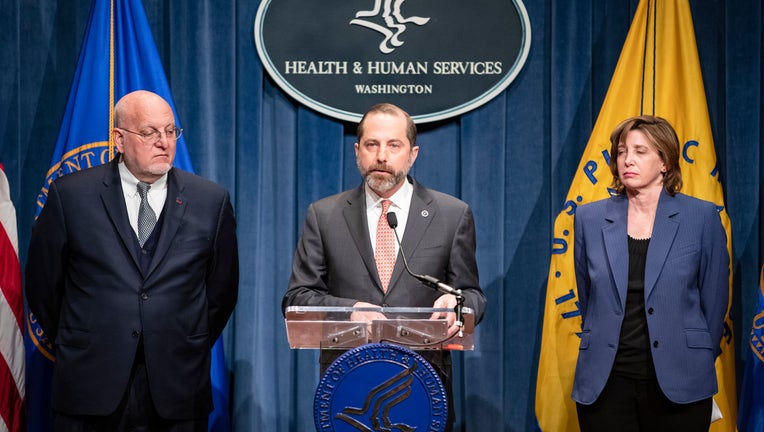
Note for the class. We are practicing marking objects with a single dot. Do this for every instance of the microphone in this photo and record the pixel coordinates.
(430, 281)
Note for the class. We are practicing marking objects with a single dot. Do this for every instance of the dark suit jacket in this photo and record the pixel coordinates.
(85, 286)
(334, 260)
(686, 294)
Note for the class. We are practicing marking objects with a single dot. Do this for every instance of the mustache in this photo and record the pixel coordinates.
(380, 167)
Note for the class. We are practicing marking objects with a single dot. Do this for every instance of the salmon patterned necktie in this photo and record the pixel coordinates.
(384, 254)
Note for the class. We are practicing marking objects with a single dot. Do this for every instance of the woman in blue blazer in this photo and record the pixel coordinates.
(652, 271)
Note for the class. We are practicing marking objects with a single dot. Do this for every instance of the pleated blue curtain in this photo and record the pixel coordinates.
(511, 159)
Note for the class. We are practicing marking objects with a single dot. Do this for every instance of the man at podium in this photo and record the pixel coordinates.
(348, 254)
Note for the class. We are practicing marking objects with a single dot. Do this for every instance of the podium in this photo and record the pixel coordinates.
(380, 382)
(322, 327)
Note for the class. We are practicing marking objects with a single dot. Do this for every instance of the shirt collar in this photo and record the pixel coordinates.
(130, 182)
(400, 199)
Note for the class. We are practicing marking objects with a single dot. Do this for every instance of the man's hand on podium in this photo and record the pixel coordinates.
(367, 316)
(446, 301)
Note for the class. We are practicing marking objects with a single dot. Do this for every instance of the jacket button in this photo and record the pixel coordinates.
(655, 344)
(135, 334)
(650, 311)
(144, 296)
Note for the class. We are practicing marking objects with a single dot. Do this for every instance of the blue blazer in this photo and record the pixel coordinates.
(686, 294)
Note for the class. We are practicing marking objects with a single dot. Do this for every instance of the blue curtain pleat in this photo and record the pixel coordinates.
(511, 159)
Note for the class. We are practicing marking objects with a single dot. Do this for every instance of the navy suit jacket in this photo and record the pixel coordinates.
(686, 294)
(334, 260)
(86, 288)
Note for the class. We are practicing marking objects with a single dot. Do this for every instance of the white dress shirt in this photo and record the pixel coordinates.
(157, 195)
(401, 202)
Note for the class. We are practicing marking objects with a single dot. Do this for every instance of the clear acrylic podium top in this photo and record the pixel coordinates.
(323, 327)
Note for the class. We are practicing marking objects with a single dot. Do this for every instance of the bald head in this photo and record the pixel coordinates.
(136, 101)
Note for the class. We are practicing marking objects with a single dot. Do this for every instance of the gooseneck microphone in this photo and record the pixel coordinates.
(430, 281)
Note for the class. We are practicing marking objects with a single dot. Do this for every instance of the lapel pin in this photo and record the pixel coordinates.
(178, 201)
(425, 213)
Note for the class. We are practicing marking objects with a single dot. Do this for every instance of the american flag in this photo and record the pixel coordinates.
(11, 317)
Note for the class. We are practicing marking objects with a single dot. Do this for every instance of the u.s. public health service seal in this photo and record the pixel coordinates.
(380, 387)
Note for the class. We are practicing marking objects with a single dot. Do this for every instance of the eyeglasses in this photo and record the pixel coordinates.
(154, 136)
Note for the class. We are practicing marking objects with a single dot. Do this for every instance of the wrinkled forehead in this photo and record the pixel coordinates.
(155, 113)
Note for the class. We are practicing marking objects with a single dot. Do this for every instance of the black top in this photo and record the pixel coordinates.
(634, 358)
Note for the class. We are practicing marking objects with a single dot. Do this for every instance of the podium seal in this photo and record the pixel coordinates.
(380, 387)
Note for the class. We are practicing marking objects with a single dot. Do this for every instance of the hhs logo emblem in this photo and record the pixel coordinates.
(380, 387)
(395, 23)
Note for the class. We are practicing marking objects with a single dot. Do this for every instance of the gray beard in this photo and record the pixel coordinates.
(384, 184)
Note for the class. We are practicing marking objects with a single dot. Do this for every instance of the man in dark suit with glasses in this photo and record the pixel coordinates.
(133, 272)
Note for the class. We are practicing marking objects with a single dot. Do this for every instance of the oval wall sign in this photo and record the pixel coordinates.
(434, 58)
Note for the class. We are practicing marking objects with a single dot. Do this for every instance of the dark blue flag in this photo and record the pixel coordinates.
(751, 410)
(118, 56)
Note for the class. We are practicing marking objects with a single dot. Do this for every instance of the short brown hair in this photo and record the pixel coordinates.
(662, 136)
(388, 108)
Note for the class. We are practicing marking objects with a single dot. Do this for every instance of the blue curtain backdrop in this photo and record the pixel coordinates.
(512, 160)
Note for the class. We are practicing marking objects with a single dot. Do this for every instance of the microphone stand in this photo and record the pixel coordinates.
(430, 281)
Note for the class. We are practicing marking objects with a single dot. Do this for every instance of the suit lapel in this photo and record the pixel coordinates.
(114, 201)
(174, 210)
(355, 218)
(615, 237)
(421, 213)
(665, 228)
